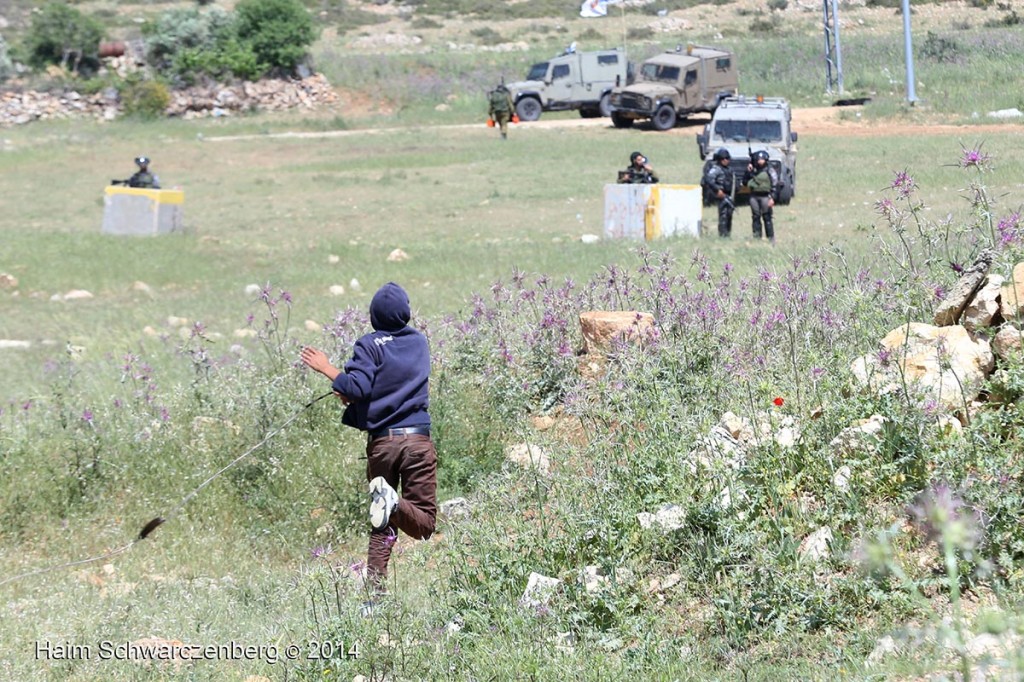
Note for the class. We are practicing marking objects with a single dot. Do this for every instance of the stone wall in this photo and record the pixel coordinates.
(17, 108)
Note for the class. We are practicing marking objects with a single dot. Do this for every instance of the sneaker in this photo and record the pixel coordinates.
(383, 503)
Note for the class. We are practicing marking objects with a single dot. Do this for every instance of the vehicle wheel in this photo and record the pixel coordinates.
(604, 107)
(620, 121)
(528, 109)
(664, 118)
(786, 194)
(589, 112)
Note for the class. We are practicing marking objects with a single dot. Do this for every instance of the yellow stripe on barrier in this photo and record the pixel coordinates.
(161, 196)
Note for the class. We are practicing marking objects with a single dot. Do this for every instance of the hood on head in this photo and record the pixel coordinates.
(389, 309)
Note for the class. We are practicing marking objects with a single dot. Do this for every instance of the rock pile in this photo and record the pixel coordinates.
(265, 95)
(945, 364)
(17, 108)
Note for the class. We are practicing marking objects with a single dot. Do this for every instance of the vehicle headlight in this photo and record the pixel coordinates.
(616, 99)
(645, 102)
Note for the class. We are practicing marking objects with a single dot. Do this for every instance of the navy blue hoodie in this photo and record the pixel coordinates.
(387, 377)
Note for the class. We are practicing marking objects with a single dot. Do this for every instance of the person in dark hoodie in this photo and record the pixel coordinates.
(384, 389)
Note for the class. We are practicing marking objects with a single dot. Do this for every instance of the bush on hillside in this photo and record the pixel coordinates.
(61, 34)
(183, 30)
(6, 66)
(278, 31)
(144, 98)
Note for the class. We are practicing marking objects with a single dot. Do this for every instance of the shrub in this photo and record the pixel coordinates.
(60, 34)
(940, 49)
(487, 36)
(778, 5)
(183, 30)
(278, 31)
(145, 99)
(6, 67)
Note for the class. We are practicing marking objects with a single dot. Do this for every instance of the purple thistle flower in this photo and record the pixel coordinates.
(941, 515)
(321, 551)
(903, 184)
(87, 416)
(974, 158)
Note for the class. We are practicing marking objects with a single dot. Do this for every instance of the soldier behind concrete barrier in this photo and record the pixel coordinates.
(500, 108)
(639, 171)
(143, 178)
(763, 182)
(721, 183)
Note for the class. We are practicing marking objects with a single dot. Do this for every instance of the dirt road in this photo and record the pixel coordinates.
(823, 121)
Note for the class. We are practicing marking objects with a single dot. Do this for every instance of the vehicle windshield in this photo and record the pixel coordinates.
(659, 72)
(537, 72)
(748, 131)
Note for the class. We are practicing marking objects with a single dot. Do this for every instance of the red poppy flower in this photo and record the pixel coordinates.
(778, 402)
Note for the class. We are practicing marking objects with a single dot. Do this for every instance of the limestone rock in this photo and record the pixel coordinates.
(952, 307)
(539, 590)
(14, 343)
(946, 365)
(603, 329)
(529, 456)
(718, 446)
(455, 508)
(1011, 296)
(8, 281)
(815, 546)
(1006, 342)
(668, 517)
(253, 289)
(312, 326)
(861, 438)
(841, 479)
(333, 259)
(78, 295)
(336, 290)
(984, 307)
(397, 256)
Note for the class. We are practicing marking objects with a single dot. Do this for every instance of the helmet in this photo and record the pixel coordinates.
(634, 156)
(759, 155)
(142, 161)
(722, 153)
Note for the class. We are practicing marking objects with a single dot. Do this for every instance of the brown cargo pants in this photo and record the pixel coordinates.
(412, 462)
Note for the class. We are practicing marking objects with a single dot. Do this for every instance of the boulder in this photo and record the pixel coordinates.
(946, 365)
(1006, 341)
(984, 307)
(603, 329)
(455, 508)
(953, 306)
(1011, 296)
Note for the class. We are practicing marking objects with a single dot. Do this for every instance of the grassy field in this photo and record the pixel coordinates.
(106, 424)
(465, 207)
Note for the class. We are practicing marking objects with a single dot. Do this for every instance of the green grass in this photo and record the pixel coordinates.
(468, 209)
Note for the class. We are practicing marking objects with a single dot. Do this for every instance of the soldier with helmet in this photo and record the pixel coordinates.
(763, 182)
(143, 178)
(501, 108)
(639, 171)
(720, 182)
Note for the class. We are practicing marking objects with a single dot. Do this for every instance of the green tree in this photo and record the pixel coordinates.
(60, 34)
(278, 31)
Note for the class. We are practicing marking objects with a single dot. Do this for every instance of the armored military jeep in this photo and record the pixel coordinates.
(674, 85)
(744, 125)
(573, 80)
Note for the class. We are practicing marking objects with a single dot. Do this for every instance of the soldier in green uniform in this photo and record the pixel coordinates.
(501, 108)
(763, 182)
(143, 179)
(639, 171)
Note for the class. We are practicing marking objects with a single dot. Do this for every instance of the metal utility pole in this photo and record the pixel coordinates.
(908, 53)
(833, 50)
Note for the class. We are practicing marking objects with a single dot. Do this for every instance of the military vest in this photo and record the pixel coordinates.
(761, 182)
(141, 179)
(499, 101)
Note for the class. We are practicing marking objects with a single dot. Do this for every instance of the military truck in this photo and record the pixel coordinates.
(572, 80)
(744, 125)
(675, 84)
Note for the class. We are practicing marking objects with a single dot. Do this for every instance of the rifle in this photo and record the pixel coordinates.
(121, 182)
